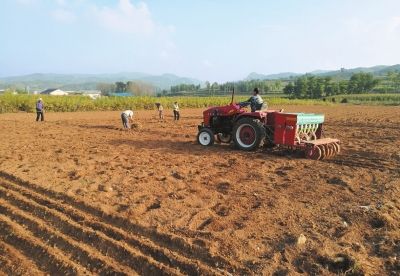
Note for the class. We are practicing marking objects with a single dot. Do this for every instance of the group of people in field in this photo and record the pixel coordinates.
(127, 115)
(255, 102)
(175, 108)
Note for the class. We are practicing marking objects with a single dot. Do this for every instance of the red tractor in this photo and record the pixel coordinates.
(250, 130)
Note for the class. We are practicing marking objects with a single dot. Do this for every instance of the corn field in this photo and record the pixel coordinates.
(26, 103)
(368, 99)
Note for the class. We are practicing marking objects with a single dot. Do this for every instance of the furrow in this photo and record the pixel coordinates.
(363, 163)
(85, 257)
(187, 266)
(12, 262)
(106, 246)
(48, 259)
(169, 241)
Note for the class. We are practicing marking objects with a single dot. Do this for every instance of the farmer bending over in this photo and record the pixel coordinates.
(256, 102)
(126, 117)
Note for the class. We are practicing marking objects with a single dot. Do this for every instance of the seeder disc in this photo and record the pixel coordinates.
(337, 146)
(334, 148)
(323, 151)
(330, 150)
(313, 153)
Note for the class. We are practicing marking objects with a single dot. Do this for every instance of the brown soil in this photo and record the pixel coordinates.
(78, 195)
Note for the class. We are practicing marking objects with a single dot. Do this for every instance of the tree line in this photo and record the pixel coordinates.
(314, 87)
(135, 88)
(210, 89)
(303, 87)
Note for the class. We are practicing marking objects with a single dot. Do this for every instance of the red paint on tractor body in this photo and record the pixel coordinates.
(281, 129)
(285, 129)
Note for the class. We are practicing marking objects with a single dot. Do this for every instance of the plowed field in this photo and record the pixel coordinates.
(78, 195)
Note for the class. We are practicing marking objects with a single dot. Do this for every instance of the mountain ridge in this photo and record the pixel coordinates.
(343, 73)
(41, 81)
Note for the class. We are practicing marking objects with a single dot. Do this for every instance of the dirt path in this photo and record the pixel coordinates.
(80, 196)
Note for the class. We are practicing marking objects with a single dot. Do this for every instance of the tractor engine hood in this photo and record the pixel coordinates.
(227, 110)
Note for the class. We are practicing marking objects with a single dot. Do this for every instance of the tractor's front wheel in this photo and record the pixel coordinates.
(248, 134)
(205, 137)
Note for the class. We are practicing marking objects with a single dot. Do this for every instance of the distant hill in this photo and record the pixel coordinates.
(285, 75)
(165, 81)
(317, 72)
(379, 70)
(89, 81)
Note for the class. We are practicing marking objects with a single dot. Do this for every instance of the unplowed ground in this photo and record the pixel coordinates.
(78, 195)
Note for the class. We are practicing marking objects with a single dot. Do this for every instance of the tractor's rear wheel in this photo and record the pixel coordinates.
(205, 137)
(224, 138)
(248, 134)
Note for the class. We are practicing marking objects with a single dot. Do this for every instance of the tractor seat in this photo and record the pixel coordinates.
(264, 107)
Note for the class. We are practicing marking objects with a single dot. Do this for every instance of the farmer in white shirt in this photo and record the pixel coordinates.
(176, 111)
(126, 117)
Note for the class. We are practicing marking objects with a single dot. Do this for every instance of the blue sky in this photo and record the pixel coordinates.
(215, 40)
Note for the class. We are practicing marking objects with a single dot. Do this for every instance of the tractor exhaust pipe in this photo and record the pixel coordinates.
(233, 94)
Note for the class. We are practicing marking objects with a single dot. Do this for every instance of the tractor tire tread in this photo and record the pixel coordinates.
(260, 129)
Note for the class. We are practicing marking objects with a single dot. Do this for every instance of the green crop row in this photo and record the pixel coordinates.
(369, 99)
(17, 103)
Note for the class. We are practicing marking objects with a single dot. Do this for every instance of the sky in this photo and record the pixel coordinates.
(214, 40)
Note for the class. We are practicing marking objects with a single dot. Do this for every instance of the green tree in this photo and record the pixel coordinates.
(277, 85)
(139, 88)
(289, 89)
(214, 87)
(361, 83)
(301, 88)
(120, 87)
(106, 88)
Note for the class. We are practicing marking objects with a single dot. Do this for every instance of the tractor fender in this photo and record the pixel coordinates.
(254, 115)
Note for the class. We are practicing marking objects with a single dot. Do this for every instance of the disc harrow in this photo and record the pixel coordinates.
(322, 149)
(304, 131)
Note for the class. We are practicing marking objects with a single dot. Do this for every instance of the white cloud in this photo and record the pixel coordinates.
(273, 28)
(26, 2)
(207, 63)
(63, 16)
(164, 54)
(362, 42)
(126, 18)
(61, 2)
(374, 34)
(376, 28)
(168, 50)
(393, 26)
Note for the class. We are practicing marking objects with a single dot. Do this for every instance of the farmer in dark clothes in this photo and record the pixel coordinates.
(256, 102)
(39, 110)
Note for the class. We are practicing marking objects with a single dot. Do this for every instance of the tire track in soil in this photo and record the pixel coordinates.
(117, 250)
(49, 260)
(364, 162)
(100, 242)
(14, 263)
(55, 239)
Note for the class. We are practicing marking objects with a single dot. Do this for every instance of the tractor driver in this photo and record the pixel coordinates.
(256, 102)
